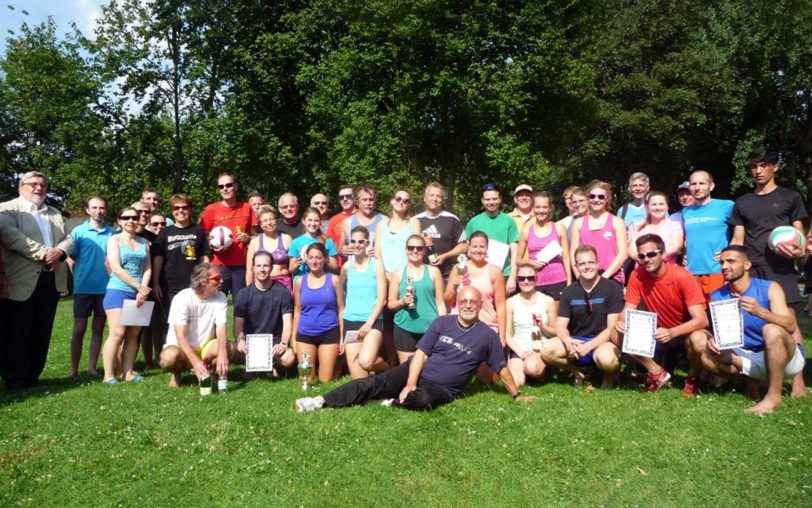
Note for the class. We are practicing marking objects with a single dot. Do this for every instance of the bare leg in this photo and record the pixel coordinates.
(607, 358)
(96, 332)
(174, 361)
(798, 389)
(368, 357)
(554, 353)
(516, 367)
(113, 344)
(695, 346)
(351, 351)
(779, 346)
(77, 337)
(328, 356)
(129, 351)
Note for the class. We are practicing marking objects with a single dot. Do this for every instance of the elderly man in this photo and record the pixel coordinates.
(322, 204)
(290, 224)
(446, 357)
(197, 328)
(522, 214)
(35, 244)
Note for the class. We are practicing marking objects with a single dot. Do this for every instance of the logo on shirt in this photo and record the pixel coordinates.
(445, 339)
(431, 232)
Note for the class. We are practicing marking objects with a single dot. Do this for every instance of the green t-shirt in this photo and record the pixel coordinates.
(500, 229)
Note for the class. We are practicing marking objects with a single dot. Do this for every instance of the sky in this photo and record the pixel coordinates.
(82, 12)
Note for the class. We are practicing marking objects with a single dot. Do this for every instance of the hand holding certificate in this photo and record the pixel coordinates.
(639, 333)
(728, 323)
(259, 357)
(551, 251)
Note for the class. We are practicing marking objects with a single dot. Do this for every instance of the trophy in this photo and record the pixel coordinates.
(462, 270)
(305, 369)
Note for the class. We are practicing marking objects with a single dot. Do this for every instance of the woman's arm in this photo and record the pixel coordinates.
(437, 278)
(565, 250)
(498, 281)
(622, 248)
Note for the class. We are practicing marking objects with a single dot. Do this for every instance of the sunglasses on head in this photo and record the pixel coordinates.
(490, 186)
(597, 196)
(226, 185)
(651, 254)
(178, 208)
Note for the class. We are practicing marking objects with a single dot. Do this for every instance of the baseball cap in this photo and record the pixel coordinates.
(523, 187)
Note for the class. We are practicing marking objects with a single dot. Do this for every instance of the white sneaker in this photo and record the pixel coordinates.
(387, 402)
(307, 404)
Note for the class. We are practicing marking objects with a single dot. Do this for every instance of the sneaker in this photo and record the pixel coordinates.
(307, 404)
(387, 402)
(691, 388)
(656, 381)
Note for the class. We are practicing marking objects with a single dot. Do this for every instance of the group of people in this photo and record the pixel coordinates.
(415, 303)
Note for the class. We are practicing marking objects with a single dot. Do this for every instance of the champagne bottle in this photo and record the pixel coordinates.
(205, 386)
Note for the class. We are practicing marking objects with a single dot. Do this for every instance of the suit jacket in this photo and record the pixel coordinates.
(23, 250)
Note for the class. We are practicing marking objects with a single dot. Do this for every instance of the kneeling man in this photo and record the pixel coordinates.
(587, 312)
(197, 327)
(266, 307)
(446, 357)
(769, 351)
(671, 292)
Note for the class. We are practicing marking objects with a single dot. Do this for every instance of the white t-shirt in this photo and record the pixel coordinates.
(201, 316)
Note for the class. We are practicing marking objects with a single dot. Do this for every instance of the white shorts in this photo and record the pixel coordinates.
(754, 366)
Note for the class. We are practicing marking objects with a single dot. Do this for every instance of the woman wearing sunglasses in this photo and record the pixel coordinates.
(131, 270)
(274, 242)
(417, 307)
(658, 223)
(298, 265)
(603, 231)
(393, 231)
(364, 283)
(530, 321)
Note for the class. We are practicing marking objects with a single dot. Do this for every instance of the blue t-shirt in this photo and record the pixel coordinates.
(706, 233)
(759, 289)
(90, 253)
(300, 244)
(632, 213)
(454, 352)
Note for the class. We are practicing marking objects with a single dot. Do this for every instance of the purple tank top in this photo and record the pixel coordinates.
(554, 272)
(319, 312)
(605, 243)
(279, 256)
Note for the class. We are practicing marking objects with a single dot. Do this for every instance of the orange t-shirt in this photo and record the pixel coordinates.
(669, 295)
(240, 219)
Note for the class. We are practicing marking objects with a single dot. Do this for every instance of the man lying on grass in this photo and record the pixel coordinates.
(769, 351)
(447, 355)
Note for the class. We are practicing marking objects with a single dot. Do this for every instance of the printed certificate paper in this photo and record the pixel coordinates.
(550, 252)
(728, 323)
(259, 357)
(498, 253)
(639, 333)
(136, 316)
(351, 337)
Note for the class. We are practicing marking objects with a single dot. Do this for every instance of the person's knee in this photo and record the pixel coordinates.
(696, 341)
(606, 358)
(773, 335)
(710, 363)
(171, 359)
(551, 349)
(534, 366)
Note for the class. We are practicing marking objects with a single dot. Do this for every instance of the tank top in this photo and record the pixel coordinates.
(523, 325)
(483, 282)
(393, 248)
(133, 262)
(362, 291)
(417, 320)
(605, 243)
(370, 228)
(554, 272)
(759, 290)
(319, 309)
(279, 256)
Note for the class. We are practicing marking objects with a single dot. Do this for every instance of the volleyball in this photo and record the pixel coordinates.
(785, 235)
(220, 238)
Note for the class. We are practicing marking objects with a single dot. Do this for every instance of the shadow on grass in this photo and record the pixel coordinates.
(45, 388)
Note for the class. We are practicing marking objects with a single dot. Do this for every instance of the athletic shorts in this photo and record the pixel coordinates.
(114, 298)
(787, 281)
(351, 326)
(329, 337)
(85, 305)
(755, 366)
(585, 361)
(553, 290)
(205, 347)
(406, 341)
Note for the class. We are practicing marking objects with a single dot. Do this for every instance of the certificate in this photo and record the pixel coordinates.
(549, 252)
(498, 253)
(639, 333)
(259, 357)
(351, 337)
(728, 323)
(136, 316)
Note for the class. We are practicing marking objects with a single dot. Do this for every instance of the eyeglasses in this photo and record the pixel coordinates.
(269, 220)
(181, 208)
(526, 278)
(597, 196)
(588, 301)
(401, 199)
(318, 203)
(651, 254)
(157, 223)
(463, 303)
(144, 212)
(415, 248)
(216, 278)
(344, 196)
(128, 217)
(226, 185)
(358, 242)
(288, 207)
(37, 184)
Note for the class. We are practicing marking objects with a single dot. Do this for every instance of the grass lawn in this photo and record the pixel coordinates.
(82, 443)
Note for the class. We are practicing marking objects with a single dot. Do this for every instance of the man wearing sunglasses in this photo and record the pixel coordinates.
(291, 224)
(671, 292)
(240, 218)
(35, 244)
(503, 235)
(346, 199)
(322, 204)
(587, 312)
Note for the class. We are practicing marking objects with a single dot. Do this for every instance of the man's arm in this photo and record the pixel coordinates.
(15, 240)
(738, 235)
(199, 368)
(415, 368)
(157, 266)
(698, 321)
(221, 332)
(778, 313)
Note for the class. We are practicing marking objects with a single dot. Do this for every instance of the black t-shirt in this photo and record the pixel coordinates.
(445, 231)
(263, 310)
(606, 298)
(295, 230)
(182, 249)
(760, 214)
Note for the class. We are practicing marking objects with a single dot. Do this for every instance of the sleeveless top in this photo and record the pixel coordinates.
(362, 292)
(417, 320)
(523, 324)
(483, 282)
(319, 312)
(370, 228)
(605, 243)
(393, 248)
(554, 272)
(759, 290)
(279, 256)
(134, 262)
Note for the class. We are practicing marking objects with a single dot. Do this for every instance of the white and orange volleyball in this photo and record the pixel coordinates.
(785, 235)
(220, 238)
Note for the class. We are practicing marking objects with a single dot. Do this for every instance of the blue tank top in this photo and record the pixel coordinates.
(370, 228)
(133, 262)
(759, 289)
(393, 248)
(362, 292)
(279, 256)
(319, 312)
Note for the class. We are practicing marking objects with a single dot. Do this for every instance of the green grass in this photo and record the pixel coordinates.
(82, 443)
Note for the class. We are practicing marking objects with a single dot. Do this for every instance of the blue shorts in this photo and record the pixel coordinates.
(114, 298)
(585, 361)
(85, 305)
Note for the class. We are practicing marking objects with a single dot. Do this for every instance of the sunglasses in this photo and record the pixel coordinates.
(226, 185)
(588, 301)
(597, 196)
(179, 208)
(128, 217)
(415, 248)
(526, 278)
(144, 212)
(216, 278)
(318, 203)
(157, 223)
(344, 196)
(400, 199)
(358, 242)
(651, 254)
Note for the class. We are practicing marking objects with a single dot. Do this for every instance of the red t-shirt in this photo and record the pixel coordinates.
(334, 228)
(669, 295)
(240, 219)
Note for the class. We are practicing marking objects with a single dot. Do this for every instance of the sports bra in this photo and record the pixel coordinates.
(279, 256)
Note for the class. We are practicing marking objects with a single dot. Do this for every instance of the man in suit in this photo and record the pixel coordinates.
(34, 248)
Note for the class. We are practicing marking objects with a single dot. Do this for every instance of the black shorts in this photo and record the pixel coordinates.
(351, 326)
(330, 337)
(788, 282)
(406, 341)
(84, 305)
(553, 290)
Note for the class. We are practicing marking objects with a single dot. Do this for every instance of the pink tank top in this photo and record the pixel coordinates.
(487, 314)
(605, 243)
(554, 272)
